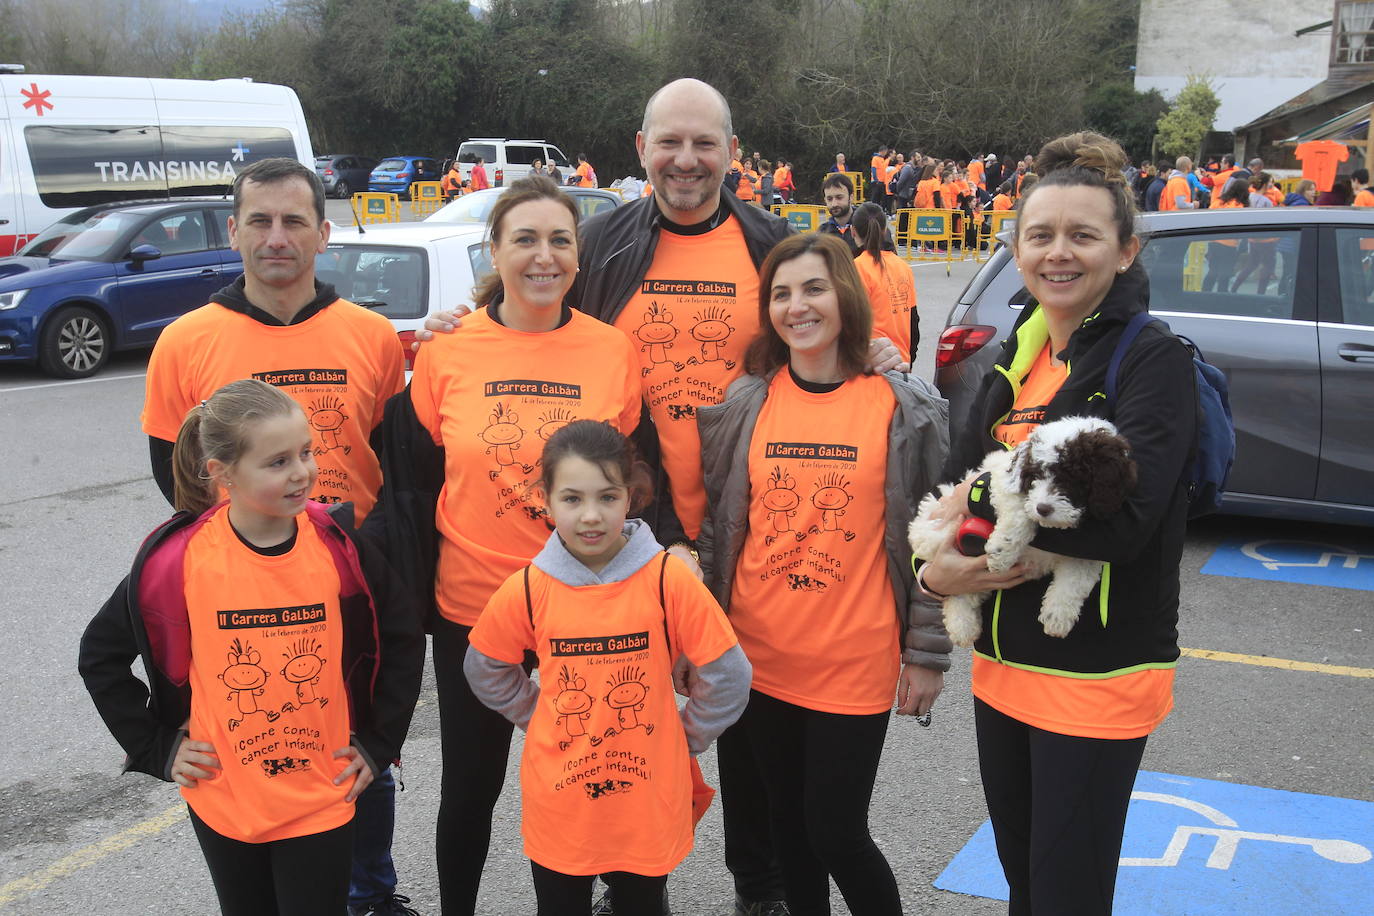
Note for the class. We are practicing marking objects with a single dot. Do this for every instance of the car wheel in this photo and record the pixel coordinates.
(75, 343)
(342, 190)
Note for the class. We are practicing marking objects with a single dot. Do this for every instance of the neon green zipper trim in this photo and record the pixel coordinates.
(996, 619)
(1103, 588)
(1030, 340)
(1080, 675)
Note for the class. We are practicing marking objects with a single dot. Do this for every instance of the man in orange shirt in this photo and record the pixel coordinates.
(339, 361)
(586, 175)
(1178, 195)
(1359, 183)
(975, 172)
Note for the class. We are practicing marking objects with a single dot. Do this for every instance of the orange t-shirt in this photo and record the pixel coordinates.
(1320, 159)
(1175, 188)
(340, 364)
(584, 175)
(695, 314)
(492, 396)
(876, 167)
(267, 687)
(1001, 202)
(781, 176)
(949, 195)
(1219, 185)
(747, 180)
(1040, 386)
(975, 172)
(1365, 198)
(889, 171)
(605, 780)
(925, 193)
(812, 601)
(892, 295)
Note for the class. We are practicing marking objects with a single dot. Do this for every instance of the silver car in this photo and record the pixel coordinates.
(1282, 301)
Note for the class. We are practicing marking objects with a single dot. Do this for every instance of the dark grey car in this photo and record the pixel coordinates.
(1282, 301)
(343, 174)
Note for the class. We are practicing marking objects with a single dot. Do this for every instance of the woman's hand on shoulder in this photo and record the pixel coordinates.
(883, 356)
(194, 761)
(357, 768)
(686, 555)
(917, 689)
(441, 322)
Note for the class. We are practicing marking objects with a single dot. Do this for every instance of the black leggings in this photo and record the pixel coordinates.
(821, 767)
(301, 876)
(475, 743)
(1062, 861)
(571, 895)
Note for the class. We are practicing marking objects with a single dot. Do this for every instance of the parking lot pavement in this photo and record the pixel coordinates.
(1274, 693)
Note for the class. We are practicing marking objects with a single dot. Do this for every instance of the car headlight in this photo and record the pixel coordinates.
(12, 299)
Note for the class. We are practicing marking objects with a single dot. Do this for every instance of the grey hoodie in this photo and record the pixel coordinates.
(719, 690)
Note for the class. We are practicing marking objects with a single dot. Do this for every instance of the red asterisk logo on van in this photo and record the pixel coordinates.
(36, 100)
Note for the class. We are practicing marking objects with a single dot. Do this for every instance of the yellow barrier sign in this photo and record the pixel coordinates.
(992, 225)
(425, 197)
(376, 207)
(805, 217)
(928, 235)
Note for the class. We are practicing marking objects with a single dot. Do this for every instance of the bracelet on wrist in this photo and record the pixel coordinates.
(925, 589)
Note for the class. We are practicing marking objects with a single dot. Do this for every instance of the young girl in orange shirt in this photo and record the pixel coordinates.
(608, 768)
(278, 687)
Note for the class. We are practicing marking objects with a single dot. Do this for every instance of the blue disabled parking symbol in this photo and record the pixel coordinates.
(1196, 847)
(1349, 565)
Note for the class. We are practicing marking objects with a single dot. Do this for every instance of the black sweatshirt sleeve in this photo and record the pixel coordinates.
(160, 455)
(659, 513)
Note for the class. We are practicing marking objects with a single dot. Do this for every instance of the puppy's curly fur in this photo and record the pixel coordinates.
(1062, 470)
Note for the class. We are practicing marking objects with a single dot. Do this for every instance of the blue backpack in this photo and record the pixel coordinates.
(1215, 448)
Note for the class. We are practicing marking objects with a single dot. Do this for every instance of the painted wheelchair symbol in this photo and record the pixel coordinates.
(1328, 555)
(1228, 837)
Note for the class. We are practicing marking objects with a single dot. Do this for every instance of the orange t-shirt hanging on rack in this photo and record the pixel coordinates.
(1320, 159)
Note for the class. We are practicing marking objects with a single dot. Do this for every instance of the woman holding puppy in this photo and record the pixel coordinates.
(1062, 723)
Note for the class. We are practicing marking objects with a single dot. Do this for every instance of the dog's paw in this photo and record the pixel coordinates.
(963, 623)
(1000, 561)
(1058, 621)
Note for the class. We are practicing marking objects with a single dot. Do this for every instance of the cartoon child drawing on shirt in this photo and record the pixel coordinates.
(656, 335)
(831, 497)
(712, 331)
(626, 697)
(327, 418)
(574, 706)
(303, 667)
(245, 679)
(552, 420)
(781, 501)
(502, 435)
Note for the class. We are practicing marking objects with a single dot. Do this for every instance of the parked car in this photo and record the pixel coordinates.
(474, 207)
(111, 277)
(1282, 301)
(343, 174)
(506, 160)
(405, 270)
(397, 173)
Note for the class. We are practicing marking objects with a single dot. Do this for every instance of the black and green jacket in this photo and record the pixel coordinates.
(1129, 622)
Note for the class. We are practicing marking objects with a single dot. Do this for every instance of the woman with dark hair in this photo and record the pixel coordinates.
(1062, 722)
(460, 504)
(1340, 195)
(887, 281)
(805, 547)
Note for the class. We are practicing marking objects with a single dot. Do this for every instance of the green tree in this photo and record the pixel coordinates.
(1127, 116)
(1183, 127)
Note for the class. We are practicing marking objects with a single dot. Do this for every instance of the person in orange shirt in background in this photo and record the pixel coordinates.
(839, 165)
(888, 281)
(748, 181)
(600, 575)
(830, 642)
(1359, 183)
(783, 182)
(453, 181)
(877, 169)
(1177, 194)
(976, 172)
(1002, 200)
(586, 175)
(927, 187)
(318, 646)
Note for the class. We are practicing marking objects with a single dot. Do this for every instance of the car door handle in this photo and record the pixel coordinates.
(1356, 353)
(4, 222)
(208, 272)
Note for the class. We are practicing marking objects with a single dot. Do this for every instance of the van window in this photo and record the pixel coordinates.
(523, 155)
(468, 152)
(136, 162)
(1246, 274)
(558, 158)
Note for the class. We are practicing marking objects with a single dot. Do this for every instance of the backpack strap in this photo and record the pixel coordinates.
(662, 604)
(529, 605)
(1123, 343)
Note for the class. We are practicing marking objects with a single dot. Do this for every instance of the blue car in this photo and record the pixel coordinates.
(111, 277)
(397, 173)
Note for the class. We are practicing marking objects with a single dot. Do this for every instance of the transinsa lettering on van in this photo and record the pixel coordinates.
(77, 166)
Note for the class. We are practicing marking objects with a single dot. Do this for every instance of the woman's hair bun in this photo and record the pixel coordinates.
(1085, 150)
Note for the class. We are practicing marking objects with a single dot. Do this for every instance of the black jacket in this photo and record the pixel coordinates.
(1135, 622)
(615, 251)
(384, 648)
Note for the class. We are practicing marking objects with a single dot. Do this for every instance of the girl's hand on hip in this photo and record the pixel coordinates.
(194, 761)
(357, 769)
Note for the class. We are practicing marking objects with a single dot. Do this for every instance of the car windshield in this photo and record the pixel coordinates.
(391, 165)
(470, 208)
(76, 239)
(389, 280)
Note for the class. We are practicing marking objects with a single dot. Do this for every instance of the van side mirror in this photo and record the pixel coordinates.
(145, 252)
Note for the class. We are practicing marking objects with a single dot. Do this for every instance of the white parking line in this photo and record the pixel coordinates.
(78, 381)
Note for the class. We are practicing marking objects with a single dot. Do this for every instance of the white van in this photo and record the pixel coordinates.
(506, 160)
(71, 141)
